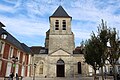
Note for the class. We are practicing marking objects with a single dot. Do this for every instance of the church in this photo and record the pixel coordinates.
(59, 57)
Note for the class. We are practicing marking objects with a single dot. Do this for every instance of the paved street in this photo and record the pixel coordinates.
(64, 78)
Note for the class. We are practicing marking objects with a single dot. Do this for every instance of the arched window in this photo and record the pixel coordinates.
(64, 25)
(60, 62)
(57, 25)
(79, 68)
(41, 68)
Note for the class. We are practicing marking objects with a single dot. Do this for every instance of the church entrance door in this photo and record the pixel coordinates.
(60, 68)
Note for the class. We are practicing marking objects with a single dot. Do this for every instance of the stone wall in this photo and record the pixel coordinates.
(60, 31)
(71, 64)
(52, 61)
(65, 42)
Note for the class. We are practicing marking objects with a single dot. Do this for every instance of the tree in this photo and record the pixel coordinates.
(114, 50)
(108, 35)
(103, 36)
(112, 54)
(93, 48)
(97, 50)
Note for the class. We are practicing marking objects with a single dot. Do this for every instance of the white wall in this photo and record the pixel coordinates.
(8, 70)
(16, 69)
(23, 71)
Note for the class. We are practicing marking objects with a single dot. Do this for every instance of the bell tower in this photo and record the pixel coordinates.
(60, 22)
(60, 34)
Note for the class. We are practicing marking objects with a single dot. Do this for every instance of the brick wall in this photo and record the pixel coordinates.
(6, 59)
(4, 63)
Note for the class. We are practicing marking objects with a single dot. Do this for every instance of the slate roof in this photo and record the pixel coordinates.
(39, 50)
(77, 50)
(60, 12)
(12, 40)
(26, 48)
(2, 25)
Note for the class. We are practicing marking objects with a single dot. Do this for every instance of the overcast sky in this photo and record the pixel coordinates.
(28, 20)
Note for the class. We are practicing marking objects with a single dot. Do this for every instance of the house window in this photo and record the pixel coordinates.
(42, 51)
(64, 25)
(18, 55)
(23, 58)
(57, 25)
(11, 52)
(1, 47)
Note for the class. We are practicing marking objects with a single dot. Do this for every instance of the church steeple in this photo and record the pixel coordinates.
(61, 36)
(60, 22)
(60, 12)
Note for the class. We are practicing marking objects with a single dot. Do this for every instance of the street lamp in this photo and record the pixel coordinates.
(34, 71)
(14, 59)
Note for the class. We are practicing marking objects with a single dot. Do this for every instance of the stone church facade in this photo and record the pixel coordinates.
(59, 57)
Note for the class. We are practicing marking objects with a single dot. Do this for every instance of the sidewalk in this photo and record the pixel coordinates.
(67, 78)
(63, 78)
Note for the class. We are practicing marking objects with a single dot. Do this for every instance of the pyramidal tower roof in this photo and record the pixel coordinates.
(60, 12)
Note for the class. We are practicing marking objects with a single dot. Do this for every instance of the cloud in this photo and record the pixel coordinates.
(10, 1)
(30, 18)
(30, 32)
(5, 8)
(93, 11)
(25, 26)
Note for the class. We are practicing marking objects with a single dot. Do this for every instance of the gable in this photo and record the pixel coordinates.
(60, 53)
